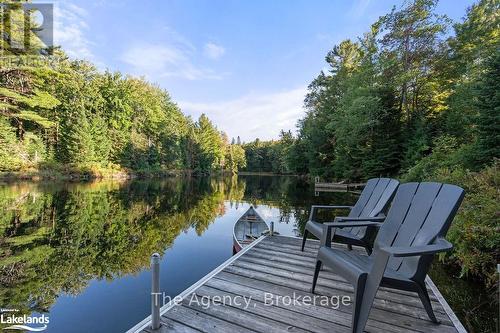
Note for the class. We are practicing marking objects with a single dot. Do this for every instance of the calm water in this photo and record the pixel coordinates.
(79, 252)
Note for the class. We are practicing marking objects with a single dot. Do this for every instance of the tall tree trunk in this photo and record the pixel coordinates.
(20, 130)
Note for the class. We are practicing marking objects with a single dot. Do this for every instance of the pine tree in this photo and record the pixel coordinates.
(488, 120)
(235, 158)
(101, 140)
(77, 144)
(9, 147)
(210, 146)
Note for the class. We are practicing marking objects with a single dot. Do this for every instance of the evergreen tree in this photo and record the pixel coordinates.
(235, 158)
(488, 119)
(9, 148)
(101, 141)
(77, 146)
(210, 150)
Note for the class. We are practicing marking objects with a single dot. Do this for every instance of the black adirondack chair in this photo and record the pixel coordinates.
(372, 203)
(404, 248)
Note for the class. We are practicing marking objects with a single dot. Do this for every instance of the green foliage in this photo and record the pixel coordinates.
(447, 153)
(417, 145)
(24, 98)
(270, 156)
(209, 146)
(91, 120)
(374, 112)
(488, 119)
(388, 97)
(35, 148)
(36, 118)
(469, 140)
(77, 144)
(475, 230)
(101, 142)
(9, 148)
(235, 158)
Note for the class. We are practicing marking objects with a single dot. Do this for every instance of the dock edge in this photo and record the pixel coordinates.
(146, 321)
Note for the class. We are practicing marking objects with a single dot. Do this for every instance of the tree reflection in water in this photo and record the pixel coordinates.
(56, 237)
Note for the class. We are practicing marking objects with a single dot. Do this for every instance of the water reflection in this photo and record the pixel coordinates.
(56, 238)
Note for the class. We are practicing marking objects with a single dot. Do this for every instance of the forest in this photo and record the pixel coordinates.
(61, 115)
(417, 97)
(413, 87)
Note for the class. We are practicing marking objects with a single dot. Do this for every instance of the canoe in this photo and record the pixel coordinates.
(248, 228)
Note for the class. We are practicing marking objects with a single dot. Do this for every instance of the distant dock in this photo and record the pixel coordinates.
(275, 265)
(337, 187)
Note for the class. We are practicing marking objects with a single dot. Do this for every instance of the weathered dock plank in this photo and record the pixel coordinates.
(273, 268)
(334, 187)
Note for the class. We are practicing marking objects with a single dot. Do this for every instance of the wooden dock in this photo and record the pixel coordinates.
(338, 187)
(273, 267)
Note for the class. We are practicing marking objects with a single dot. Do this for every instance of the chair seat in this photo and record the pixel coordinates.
(351, 265)
(342, 236)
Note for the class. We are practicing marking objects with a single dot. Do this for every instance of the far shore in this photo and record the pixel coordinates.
(86, 175)
(258, 173)
(73, 174)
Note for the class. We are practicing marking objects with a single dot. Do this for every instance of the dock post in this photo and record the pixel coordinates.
(155, 291)
(271, 228)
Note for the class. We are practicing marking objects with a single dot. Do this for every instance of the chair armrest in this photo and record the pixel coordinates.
(441, 245)
(330, 207)
(315, 207)
(330, 225)
(326, 238)
(382, 256)
(359, 219)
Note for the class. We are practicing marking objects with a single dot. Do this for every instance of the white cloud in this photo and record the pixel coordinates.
(213, 50)
(70, 28)
(359, 8)
(161, 61)
(176, 38)
(253, 115)
(175, 56)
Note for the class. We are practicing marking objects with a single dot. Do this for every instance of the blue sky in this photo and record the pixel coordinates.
(245, 63)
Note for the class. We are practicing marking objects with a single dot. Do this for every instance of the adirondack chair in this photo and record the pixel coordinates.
(372, 203)
(404, 248)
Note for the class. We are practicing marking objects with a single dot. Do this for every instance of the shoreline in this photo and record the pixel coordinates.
(76, 176)
(263, 173)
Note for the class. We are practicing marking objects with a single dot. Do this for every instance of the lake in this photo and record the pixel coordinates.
(79, 252)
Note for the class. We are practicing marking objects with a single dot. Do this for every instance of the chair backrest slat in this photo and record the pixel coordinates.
(376, 194)
(385, 198)
(373, 201)
(397, 212)
(419, 214)
(364, 197)
(415, 218)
